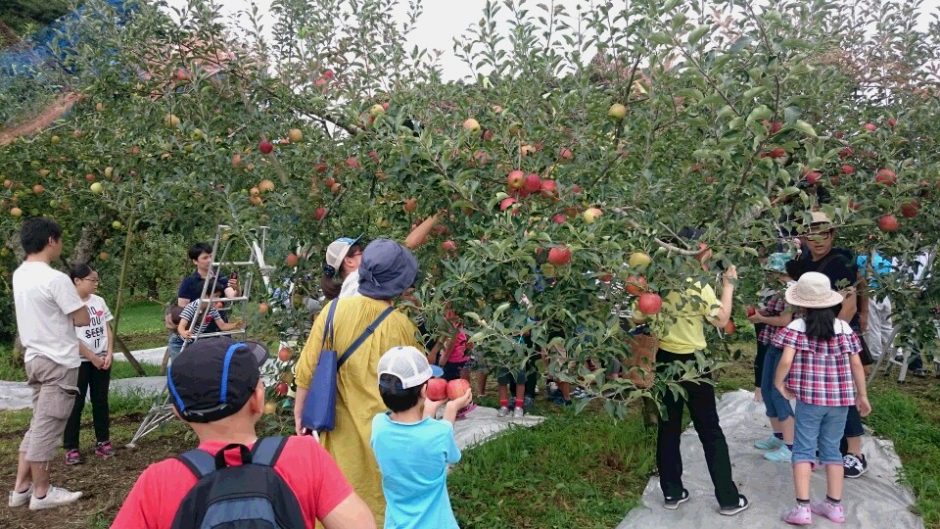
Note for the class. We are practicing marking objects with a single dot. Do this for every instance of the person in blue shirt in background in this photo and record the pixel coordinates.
(411, 447)
(878, 327)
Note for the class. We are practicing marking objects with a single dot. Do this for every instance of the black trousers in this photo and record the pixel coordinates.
(99, 381)
(701, 404)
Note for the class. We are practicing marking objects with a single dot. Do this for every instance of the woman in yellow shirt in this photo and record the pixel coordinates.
(682, 333)
(387, 269)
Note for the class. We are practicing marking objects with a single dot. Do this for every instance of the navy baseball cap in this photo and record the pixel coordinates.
(214, 378)
(387, 269)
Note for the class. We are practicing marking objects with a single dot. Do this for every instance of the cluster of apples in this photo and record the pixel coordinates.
(440, 389)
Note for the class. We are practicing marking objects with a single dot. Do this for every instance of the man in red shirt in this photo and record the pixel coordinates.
(196, 387)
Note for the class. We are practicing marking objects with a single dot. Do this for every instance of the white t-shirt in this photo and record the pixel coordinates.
(44, 298)
(350, 285)
(95, 334)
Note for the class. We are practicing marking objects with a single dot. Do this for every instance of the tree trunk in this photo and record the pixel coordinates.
(88, 245)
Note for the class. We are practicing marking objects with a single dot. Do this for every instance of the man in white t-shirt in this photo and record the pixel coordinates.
(48, 309)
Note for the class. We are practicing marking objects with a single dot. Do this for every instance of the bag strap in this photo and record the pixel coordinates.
(364, 336)
(199, 462)
(328, 327)
(267, 450)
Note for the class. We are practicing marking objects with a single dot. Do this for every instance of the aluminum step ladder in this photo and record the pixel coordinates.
(162, 409)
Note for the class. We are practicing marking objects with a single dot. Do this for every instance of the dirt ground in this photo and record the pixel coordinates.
(105, 483)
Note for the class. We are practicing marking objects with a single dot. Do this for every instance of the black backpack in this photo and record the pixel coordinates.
(248, 496)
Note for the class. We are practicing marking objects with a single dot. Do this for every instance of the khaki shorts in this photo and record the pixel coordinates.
(54, 391)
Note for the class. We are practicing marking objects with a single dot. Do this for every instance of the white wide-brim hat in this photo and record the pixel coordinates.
(813, 291)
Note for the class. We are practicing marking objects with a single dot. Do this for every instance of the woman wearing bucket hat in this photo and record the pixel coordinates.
(387, 270)
(821, 368)
(773, 315)
(344, 256)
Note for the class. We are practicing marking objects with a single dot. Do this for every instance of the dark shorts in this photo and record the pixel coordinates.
(452, 369)
(507, 377)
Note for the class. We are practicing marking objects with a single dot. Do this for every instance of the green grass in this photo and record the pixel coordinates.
(912, 420)
(143, 317)
(583, 471)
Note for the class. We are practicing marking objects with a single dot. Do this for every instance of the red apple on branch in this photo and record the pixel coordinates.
(886, 177)
(649, 303)
(515, 179)
(888, 223)
(559, 255)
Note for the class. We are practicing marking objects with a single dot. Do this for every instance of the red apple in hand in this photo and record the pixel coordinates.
(649, 303)
(437, 389)
(751, 311)
(730, 328)
(457, 388)
(559, 255)
(281, 389)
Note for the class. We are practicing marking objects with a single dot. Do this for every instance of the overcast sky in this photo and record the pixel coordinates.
(441, 22)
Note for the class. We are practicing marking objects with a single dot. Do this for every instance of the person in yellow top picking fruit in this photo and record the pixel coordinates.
(387, 270)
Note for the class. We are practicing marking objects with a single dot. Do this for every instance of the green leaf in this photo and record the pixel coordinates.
(805, 128)
(759, 113)
(698, 33)
(754, 92)
(661, 38)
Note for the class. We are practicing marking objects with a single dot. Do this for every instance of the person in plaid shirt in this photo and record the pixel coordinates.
(772, 317)
(821, 368)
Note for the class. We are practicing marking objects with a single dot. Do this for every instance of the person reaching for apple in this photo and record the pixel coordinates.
(344, 255)
(681, 320)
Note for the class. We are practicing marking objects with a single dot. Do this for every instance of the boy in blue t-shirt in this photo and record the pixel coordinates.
(412, 448)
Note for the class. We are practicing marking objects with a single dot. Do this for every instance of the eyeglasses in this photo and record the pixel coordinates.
(819, 236)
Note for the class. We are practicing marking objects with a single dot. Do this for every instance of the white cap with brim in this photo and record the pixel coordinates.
(407, 364)
(337, 251)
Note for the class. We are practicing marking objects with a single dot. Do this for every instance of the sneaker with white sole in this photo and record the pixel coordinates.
(771, 443)
(673, 503)
(735, 509)
(517, 413)
(503, 411)
(855, 465)
(780, 455)
(55, 497)
(19, 499)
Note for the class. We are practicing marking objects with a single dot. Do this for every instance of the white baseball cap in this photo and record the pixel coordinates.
(336, 252)
(407, 364)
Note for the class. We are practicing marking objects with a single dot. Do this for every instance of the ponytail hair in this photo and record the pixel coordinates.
(820, 323)
(330, 287)
(79, 271)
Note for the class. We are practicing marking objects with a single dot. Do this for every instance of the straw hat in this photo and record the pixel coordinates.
(813, 291)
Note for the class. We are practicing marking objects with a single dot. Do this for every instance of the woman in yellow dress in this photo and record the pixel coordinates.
(387, 269)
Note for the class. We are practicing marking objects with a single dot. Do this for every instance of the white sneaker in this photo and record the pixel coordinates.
(503, 411)
(517, 412)
(55, 497)
(19, 499)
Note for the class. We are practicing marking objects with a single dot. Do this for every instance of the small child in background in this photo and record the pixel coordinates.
(206, 314)
(822, 369)
(453, 356)
(772, 316)
(412, 448)
(96, 344)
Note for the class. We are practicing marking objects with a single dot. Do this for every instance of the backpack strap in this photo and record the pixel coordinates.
(267, 450)
(199, 462)
(328, 326)
(365, 335)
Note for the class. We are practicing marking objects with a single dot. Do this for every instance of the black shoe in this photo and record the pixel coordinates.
(855, 465)
(735, 509)
(919, 373)
(673, 503)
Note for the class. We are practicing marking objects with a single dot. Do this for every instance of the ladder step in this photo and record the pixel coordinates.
(223, 300)
(221, 333)
(233, 263)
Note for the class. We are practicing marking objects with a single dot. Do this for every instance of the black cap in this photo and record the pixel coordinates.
(214, 378)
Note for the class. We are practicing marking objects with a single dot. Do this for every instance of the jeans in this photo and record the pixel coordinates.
(818, 428)
(701, 403)
(759, 364)
(99, 381)
(175, 345)
(774, 403)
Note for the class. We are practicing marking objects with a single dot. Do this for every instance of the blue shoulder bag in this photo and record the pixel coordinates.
(319, 413)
